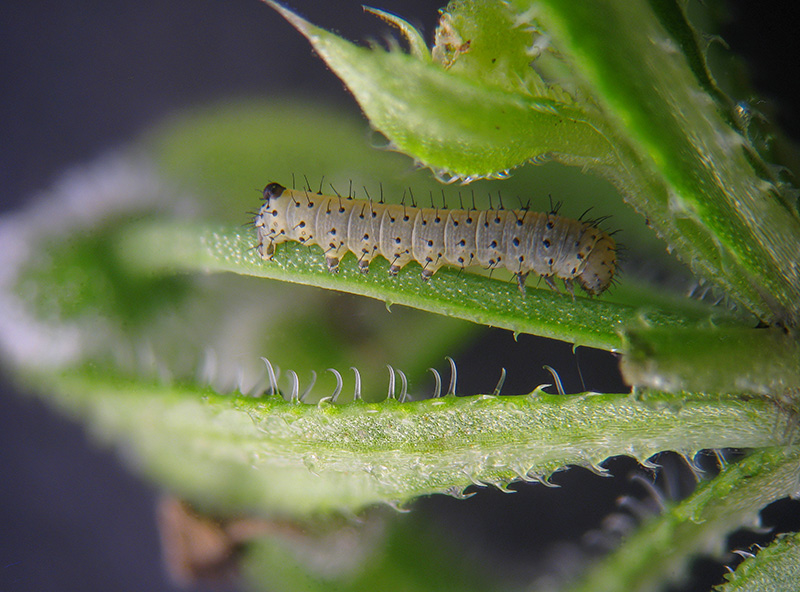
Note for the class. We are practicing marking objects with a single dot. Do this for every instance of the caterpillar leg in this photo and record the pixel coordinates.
(394, 268)
(549, 281)
(333, 264)
(363, 264)
(570, 288)
(430, 268)
(265, 250)
(521, 277)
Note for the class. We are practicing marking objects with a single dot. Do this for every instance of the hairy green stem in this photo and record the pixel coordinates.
(774, 569)
(279, 457)
(662, 548)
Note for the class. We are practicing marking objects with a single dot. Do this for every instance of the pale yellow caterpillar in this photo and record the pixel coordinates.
(520, 241)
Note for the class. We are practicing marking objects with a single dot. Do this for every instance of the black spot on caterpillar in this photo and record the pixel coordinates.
(520, 241)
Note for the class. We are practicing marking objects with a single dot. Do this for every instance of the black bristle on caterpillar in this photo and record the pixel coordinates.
(521, 241)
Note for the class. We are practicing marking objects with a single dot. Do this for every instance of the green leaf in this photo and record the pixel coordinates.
(695, 174)
(725, 360)
(662, 548)
(274, 457)
(92, 302)
(416, 43)
(644, 111)
(594, 322)
(402, 553)
(773, 569)
(451, 122)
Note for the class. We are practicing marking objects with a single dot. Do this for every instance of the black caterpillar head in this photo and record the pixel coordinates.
(273, 191)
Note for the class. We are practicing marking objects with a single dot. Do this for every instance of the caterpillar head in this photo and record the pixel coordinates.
(273, 191)
(600, 266)
(270, 221)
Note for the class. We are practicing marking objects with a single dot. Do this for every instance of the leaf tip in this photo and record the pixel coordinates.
(294, 19)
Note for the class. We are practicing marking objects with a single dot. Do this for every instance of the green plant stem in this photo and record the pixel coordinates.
(705, 196)
(725, 359)
(284, 458)
(177, 246)
(662, 548)
(774, 569)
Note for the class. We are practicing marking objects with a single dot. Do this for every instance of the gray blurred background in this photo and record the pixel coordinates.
(78, 78)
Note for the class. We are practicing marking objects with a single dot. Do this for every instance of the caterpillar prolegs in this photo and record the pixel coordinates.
(520, 241)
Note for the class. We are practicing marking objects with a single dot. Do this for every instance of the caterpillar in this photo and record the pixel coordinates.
(520, 241)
